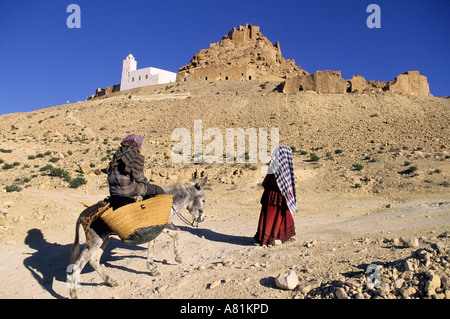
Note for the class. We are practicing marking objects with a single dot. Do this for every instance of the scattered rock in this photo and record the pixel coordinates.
(214, 284)
(407, 292)
(306, 287)
(341, 293)
(433, 282)
(85, 169)
(287, 280)
(410, 242)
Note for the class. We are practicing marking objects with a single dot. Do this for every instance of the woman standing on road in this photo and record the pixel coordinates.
(278, 200)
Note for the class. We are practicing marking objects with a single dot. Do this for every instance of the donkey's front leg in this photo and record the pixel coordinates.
(150, 264)
(174, 237)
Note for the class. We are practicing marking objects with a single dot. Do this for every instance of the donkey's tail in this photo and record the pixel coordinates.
(75, 249)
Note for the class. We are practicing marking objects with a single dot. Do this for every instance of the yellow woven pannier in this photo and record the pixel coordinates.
(140, 222)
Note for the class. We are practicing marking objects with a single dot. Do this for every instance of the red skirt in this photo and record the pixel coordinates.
(275, 222)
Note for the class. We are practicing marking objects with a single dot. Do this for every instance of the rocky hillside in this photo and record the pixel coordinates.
(344, 142)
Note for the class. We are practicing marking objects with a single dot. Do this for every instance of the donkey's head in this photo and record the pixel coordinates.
(197, 201)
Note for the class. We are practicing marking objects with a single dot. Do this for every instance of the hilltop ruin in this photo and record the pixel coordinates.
(245, 54)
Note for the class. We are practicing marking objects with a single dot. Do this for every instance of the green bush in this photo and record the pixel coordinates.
(12, 188)
(314, 157)
(46, 168)
(77, 182)
(411, 169)
(59, 172)
(7, 166)
(358, 167)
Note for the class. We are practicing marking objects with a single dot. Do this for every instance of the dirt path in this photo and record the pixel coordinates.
(336, 233)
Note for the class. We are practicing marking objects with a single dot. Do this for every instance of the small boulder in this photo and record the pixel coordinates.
(287, 280)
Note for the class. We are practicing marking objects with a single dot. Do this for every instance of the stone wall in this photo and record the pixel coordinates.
(321, 82)
(410, 82)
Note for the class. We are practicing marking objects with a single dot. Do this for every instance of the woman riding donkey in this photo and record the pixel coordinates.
(126, 177)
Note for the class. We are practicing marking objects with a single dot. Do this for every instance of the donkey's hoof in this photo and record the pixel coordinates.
(153, 269)
(73, 294)
(111, 283)
(155, 273)
(179, 260)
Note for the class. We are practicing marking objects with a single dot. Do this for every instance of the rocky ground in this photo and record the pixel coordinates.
(377, 195)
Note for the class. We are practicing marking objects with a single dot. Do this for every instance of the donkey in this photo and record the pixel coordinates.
(188, 196)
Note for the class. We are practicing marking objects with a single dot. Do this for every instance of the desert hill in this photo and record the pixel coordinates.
(381, 172)
(379, 131)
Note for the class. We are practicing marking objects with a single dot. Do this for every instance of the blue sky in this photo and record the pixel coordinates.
(44, 63)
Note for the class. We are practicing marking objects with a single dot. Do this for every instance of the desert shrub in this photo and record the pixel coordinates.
(59, 172)
(54, 159)
(31, 157)
(2, 150)
(46, 168)
(338, 151)
(358, 167)
(12, 188)
(314, 157)
(7, 166)
(411, 169)
(77, 182)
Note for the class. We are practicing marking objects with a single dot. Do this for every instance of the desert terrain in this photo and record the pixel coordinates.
(376, 192)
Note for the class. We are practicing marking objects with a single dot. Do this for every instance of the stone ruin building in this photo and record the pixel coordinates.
(245, 54)
(242, 55)
(410, 82)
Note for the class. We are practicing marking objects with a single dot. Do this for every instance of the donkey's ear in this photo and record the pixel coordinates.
(201, 184)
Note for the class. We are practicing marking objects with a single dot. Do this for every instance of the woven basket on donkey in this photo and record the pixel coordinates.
(140, 222)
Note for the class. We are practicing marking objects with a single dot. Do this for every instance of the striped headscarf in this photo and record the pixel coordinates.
(282, 165)
(129, 154)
